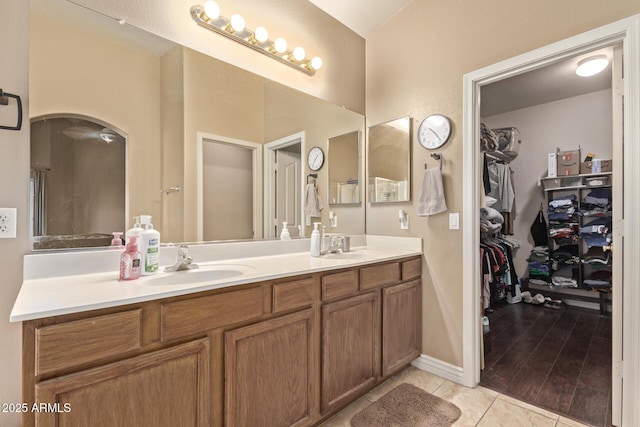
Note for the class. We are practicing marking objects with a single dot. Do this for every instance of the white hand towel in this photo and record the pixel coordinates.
(431, 200)
(312, 203)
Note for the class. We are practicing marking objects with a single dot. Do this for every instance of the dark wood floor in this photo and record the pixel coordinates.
(555, 359)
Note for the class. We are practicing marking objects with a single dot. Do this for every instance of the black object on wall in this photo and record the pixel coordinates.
(4, 100)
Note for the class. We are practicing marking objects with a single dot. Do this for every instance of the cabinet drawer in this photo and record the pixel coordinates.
(411, 269)
(299, 293)
(339, 284)
(202, 314)
(81, 341)
(379, 275)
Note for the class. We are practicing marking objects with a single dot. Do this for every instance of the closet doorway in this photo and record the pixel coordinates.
(618, 34)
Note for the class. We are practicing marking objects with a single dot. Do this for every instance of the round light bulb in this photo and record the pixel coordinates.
(281, 45)
(237, 23)
(316, 63)
(261, 34)
(212, 10)
(591, 66)
(298, 53)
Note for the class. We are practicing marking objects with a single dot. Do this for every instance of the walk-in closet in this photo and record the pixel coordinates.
(549, 206)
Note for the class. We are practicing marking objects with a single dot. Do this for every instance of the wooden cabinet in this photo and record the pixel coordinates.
(269, 371)
(286, 352)
(350, 349)
(168, 387)
(401, 326)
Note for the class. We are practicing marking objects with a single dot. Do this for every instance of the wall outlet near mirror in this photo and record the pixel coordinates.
(8, 223)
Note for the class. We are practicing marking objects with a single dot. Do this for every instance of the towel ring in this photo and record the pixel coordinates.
(314, 176)
(436, 156)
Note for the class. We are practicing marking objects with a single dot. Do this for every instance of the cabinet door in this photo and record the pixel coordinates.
(167, 387)
(350, 349)
(401, 326)
(269, 372)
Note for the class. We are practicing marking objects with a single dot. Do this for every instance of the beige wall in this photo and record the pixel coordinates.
(123, 90)
(218, 100)
(172, 122)
(440, 42)
(340, 81)
(14, 184)
(290, 112)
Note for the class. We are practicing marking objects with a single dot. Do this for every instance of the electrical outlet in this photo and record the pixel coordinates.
(8, 218)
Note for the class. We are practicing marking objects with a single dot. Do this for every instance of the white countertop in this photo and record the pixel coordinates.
(58, 283)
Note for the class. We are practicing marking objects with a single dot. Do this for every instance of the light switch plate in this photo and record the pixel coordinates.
(454, 221)
(8, 217)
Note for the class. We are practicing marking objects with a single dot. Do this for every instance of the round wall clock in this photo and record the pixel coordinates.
(434, 131)
(315, 159)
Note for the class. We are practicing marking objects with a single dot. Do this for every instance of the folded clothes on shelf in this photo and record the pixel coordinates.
(596, 255)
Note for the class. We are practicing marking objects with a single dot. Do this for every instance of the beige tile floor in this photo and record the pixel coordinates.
(480, 406)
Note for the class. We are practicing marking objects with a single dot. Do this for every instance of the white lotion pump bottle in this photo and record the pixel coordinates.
(284, 234)
(315, 240)
(149, 247)
(135, 230)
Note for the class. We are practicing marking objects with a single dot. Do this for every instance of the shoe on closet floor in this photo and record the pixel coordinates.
(526, 297)
(538, 299)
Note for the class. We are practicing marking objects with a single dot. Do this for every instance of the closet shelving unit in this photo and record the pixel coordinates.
(578, 185)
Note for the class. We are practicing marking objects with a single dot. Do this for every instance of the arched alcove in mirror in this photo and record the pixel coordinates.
(78, 182)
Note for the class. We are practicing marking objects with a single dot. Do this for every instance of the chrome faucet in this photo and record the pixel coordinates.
(185, 262)
(336, 243)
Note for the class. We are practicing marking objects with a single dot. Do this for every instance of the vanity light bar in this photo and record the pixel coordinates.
(258, 40)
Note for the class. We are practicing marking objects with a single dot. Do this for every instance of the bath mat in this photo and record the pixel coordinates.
(407, 406)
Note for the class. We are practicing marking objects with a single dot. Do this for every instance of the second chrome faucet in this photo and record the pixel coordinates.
(184, 262)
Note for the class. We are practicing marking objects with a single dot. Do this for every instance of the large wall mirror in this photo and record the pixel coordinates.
(162, 96)
(388, 159)
(344, 169)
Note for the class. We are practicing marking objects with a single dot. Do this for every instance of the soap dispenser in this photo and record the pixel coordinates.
(131, 260)
(315, 240)
(284, 234)
(135, 230)
(116, 242)
(150, 246)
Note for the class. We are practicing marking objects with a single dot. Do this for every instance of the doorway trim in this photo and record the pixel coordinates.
(627, 32)
(270, 149)
(256, 161)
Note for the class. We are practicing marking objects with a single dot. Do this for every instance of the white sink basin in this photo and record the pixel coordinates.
(205, 273)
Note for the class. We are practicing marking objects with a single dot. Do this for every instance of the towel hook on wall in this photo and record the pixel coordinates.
(314, 176)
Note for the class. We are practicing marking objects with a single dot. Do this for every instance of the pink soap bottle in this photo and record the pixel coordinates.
(131, 260)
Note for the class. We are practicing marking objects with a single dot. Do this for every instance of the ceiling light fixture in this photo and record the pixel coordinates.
(208, 16)
(591, 66)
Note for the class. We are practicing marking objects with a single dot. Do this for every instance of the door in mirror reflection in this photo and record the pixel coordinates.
(229, 199)
(287, 195)
(77, 185)
(389, 161)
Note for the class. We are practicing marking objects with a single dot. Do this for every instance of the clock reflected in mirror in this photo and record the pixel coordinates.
(315, 158)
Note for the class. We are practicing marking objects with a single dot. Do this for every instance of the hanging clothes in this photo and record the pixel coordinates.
(501, 182)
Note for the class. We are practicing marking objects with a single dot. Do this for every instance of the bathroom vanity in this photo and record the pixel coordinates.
(290, 341)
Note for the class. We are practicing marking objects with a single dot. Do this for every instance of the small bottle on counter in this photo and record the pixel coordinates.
(315, 240)
(150, 246)
(116, 242)
(284, 234)
(131, 260)
(135, 230)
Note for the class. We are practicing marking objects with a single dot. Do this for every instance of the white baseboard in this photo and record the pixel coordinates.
(440, 368)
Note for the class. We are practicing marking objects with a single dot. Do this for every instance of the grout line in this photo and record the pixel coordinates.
(487, 410)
